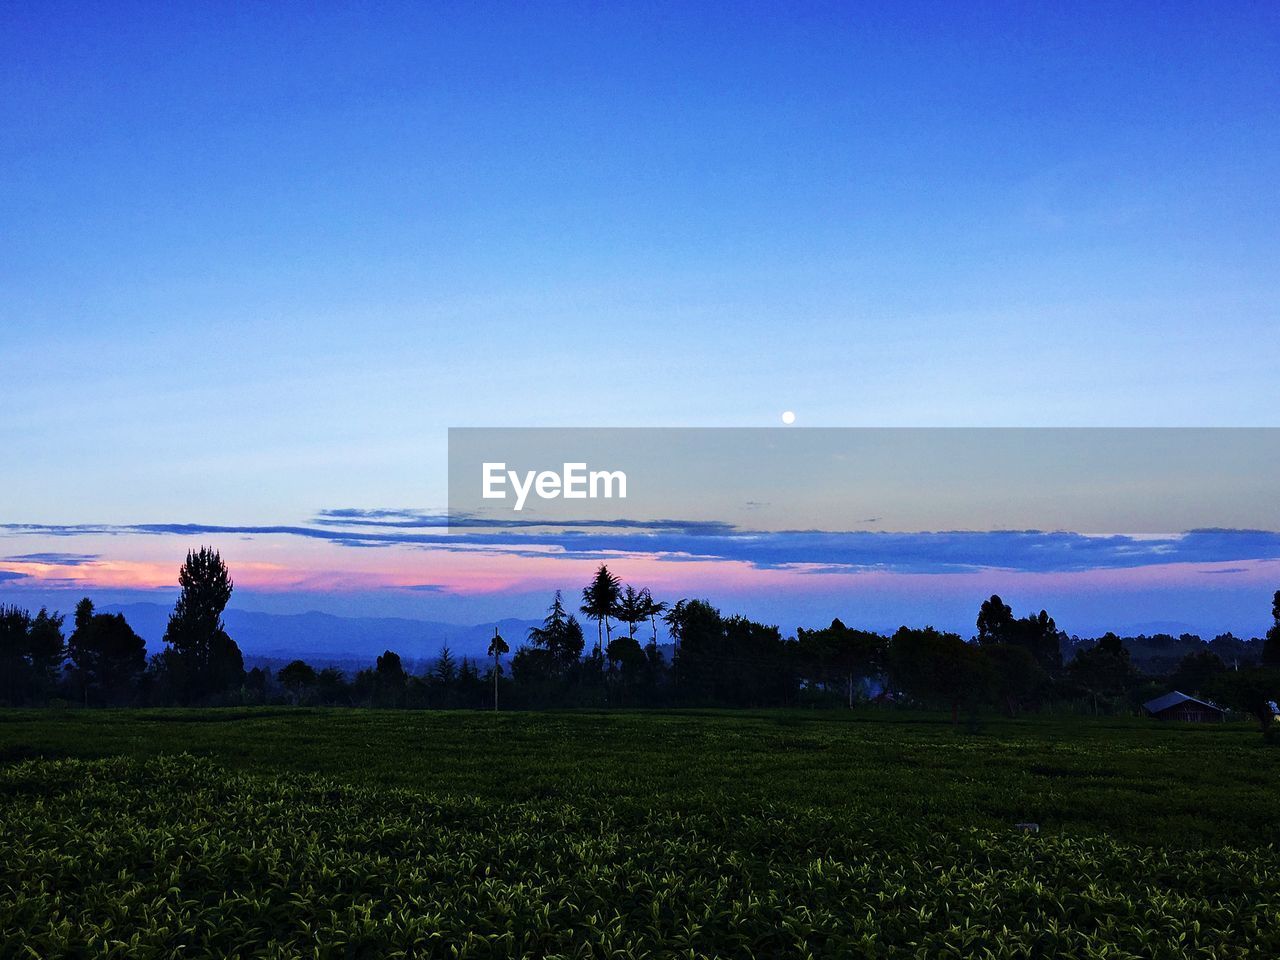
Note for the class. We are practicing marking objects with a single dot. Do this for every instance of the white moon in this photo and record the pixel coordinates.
(788, 417)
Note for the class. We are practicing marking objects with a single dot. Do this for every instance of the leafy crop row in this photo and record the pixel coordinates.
(176, 856)
(1137, 781)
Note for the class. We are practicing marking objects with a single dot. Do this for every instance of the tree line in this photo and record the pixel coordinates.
(1011, 664)
(103, 662)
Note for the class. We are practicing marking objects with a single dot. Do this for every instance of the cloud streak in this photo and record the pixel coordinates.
(411, 520)
(54, 559)
(810, 551)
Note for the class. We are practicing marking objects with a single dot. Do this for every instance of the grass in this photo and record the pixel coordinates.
(344, 833)
(1128, 778)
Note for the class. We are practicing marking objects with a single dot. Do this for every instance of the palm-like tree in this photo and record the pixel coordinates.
(599, 601)
(674, 619)
(497, 647)
(631, 609)
(652, 610)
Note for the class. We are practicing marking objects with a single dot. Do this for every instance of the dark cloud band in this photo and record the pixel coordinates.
(815, 550)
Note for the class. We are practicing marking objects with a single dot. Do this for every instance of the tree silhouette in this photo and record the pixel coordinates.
(1252, 690)
(255, 685)
(560, 635)
(625, 653)
(1271, 646)
(31, 652)
(1196, 671)
(46, 650)
(599, 601)
(206, 659)
(936, 667)
(1038, 635)
(731, 661)
(470, 684)
(631, 609)
(14, 670)
(995, 617)
(548, 635)
(81, 650)
(446, 670)
(627, 660)
(653, 609)
(574, 642)
(677, 617)
(297, 677)
(841, 655)
(107, 657)
(1104, 670)
(497, 647)
(1015, 677)
(389, 680)
(332, 687)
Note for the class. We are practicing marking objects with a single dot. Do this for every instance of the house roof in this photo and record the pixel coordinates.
(1174, 699)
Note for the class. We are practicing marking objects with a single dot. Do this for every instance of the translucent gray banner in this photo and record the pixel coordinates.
(1136, 481)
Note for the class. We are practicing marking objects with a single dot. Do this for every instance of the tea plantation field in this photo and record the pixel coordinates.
(369, 834)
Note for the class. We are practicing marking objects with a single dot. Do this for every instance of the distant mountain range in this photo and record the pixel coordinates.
(322, 638)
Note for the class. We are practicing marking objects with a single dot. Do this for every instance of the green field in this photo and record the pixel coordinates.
(864, 833)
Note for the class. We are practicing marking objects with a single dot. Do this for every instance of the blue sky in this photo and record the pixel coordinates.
(255, 261)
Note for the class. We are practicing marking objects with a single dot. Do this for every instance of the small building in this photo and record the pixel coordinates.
(1179, 706)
